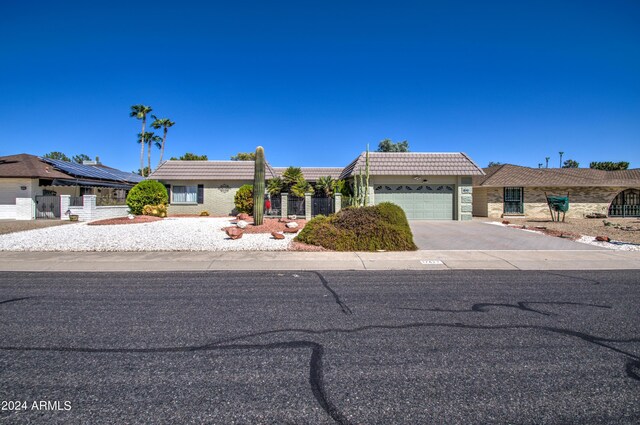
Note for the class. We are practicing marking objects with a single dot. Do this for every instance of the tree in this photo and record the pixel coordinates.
(190, 157)
(570, 163)
(301, 187)
(546, 160)
(609, 166)
(56, 155)
(291, 175)
(81, 158)
(389, 146)
(163, 123)
(140, 112)
(325, 185)
(244, 156)
(561, 153)
(493, 164)
(149, 138)
(275, 186)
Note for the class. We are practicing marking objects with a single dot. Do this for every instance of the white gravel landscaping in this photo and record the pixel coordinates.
(172, 234)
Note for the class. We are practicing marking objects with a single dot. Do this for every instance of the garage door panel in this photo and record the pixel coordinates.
(426, 202)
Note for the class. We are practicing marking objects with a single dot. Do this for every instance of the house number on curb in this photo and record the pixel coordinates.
(430, 262)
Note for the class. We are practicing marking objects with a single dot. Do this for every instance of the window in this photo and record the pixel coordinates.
(184, 194)
(513, 200)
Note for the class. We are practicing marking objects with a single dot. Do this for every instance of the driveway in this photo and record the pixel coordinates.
(476, 235)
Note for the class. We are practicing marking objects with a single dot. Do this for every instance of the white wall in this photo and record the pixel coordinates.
(10, 189)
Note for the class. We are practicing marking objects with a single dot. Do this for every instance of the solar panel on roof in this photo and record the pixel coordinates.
(81, 170)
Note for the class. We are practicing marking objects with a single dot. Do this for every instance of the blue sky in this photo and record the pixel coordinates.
(315, 81)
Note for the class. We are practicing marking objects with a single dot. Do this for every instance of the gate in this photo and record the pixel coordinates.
(47, 206)
(321, 205)
(295, 206)
(275, 206)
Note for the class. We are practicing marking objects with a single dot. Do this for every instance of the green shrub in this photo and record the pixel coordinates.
(244, 199)
(147, 192)
(380, 227)
(155, 210)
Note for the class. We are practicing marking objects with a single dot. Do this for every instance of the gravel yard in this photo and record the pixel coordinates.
(586, 229)
(171, 234)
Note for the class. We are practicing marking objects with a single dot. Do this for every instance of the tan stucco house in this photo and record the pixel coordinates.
(425, 185)
(511, 190)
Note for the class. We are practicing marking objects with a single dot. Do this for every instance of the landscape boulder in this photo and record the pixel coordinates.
(234, 232)
(290, 230)
(243, 216)
(277, 235)
(603, 239)
(241, 224)
(292, 225)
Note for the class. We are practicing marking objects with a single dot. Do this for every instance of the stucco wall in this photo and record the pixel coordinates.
(218, 200)
(480, 202)
(582, 200)
(10, 189)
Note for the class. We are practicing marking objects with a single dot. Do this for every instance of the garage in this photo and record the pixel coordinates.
(419, 201)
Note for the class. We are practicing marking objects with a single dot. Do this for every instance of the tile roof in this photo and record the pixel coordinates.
(413, 163)
(514, 175)
(313, 173)
(208, 170)
(25, 165)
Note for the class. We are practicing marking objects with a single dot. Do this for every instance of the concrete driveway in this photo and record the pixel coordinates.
(477, 235)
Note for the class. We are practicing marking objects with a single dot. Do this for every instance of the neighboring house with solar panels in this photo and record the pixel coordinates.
(30, 187)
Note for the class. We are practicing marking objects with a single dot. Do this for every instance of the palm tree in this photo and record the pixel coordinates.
(140, 112)
(163, 123)
(561, 153)
(547, 158)
(148, 139)
(275, 186)
(325, 185)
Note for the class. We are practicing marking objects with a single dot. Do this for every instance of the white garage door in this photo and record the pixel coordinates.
(419, 202)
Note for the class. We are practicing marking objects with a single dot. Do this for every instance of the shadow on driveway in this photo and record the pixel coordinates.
(475, 235)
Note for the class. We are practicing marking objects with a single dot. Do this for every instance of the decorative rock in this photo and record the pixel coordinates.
(603, 238)
(131, 216)
(234, 232)
(505, 222)
(277, 235)
(241, 224)
(293, 217)
(292, 225)
(243, 216)
(290, 230)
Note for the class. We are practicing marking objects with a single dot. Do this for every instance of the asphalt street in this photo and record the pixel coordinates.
(388, 347)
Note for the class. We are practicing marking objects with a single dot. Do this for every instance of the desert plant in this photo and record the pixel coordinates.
(159, 210)
(258, 187)
(204, 213)
(301, 187)
(379, 227)
(147, 192)
(325, 185)
(275, 186)
(244, 199)
(291, 176)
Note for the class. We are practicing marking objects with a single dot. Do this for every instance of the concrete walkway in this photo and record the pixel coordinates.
(416, 260)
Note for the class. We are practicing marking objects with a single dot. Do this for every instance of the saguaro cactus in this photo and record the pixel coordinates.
(258, 187)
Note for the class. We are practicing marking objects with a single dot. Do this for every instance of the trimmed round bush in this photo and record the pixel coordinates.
(147, 192)
(244, 199)
(380, 227)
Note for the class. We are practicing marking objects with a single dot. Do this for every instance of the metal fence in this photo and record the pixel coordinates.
(295, 206)
(107, 201)
(322, 205)
(624, 210)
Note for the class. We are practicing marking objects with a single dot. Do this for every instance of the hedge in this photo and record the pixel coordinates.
(379, 227)
(147, 192)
